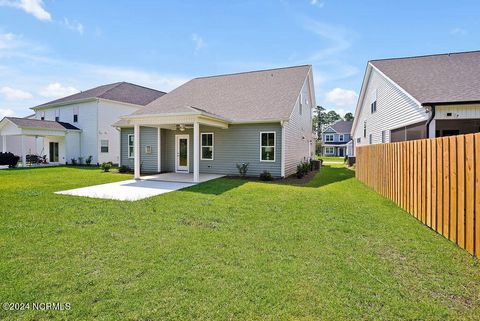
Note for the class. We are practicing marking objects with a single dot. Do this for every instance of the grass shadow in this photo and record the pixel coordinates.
(216, 186)
(330, 175)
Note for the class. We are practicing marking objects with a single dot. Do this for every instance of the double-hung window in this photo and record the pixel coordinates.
(104, 146)
(329, 137)
(267, 146)
(329, 150)
(131, 149)
(340, 138)
(207, 146)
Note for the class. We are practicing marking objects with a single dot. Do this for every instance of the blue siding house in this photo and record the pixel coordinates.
(210, 124)
(337, 140)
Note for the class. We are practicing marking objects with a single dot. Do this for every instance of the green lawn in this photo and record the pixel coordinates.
(226, 249)
(332, 158)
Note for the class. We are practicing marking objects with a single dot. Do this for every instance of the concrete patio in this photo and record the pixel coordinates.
(181, 177)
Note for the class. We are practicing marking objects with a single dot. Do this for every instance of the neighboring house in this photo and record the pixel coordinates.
(336, 139)
(79, 126)
(211, 124)
(418, 97)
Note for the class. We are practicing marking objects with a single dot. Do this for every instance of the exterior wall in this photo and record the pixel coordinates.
(458, 112)
(237, 144)
(14, 145)
(62, 159)
(108, 114)
(95, 119)
(299, 141)
(336, 137)
(394, 109)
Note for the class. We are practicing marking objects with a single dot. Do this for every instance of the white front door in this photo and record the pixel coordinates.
(181, 153)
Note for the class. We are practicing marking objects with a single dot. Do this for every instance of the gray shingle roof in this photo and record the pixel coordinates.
(342, 126)
(445, 78)
(44, 124)
(248, 96)
(120, 91)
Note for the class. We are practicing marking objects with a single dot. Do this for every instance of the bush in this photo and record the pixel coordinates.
(124, 169)
(106, 167)
(266, 176)
(302, 169)
(242, 169)
(9, 159)
(80, 160)
(74, 161)
(88, 160)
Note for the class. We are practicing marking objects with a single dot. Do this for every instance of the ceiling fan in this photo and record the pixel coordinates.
(182, 127)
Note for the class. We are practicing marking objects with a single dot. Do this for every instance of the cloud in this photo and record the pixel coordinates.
(12, 94)
(33, 7)
(458, 32)
(317, 3)
(73, 25)
(5, 112)
(342, 97)
(338, 39)
(199, 42)
(7, 40)
(56, 90)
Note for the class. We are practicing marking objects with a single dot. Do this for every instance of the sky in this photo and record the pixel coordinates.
(53, 48)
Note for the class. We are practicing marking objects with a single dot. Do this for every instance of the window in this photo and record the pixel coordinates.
(341, 138)
(365, 129)
(267, 147)
(42, 118)
(131, 149)
(370, 139)
(329, 137)
(329, 150)
(103, 146)
(42, 115)
(383, 136)
(207, 146)
(57, 118)
(373, 107)
(75, 118)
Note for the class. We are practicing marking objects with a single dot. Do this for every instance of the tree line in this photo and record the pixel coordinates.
(323, 118)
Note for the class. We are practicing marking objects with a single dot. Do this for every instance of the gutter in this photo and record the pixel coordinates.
(432, 116)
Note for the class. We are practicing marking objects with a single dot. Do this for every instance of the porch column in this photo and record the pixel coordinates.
(159, 150)
(136, 151)
(4, 144)
(24, 155)
(196, 151)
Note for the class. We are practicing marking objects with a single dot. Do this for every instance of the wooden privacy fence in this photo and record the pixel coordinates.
(436, 180)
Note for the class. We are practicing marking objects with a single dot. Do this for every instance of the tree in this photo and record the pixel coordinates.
(348, 117)
(323, 119)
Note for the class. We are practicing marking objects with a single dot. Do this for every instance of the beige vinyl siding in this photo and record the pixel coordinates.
(298, 133)
(394, 109)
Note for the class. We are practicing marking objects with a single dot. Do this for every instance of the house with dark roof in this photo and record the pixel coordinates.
(211, 124)
(418, 97)
(336, 139)
(78, 126)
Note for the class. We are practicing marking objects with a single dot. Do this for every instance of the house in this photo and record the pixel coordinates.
(211, 124)
(418, 97)
(78, 126)
(336, 139)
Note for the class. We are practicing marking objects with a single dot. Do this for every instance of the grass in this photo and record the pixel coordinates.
(332, 158)
(225, 249)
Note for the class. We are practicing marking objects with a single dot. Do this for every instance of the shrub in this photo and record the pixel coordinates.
(88, 160)
(124, 169)
(266, 176)
(9, 159)
(302, 169)
(106, 167)
(74, 161)
(242, 169)
(80, 160)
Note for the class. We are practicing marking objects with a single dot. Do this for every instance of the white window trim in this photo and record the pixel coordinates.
(213, 147)
(329, 135)
(274, 147)
(329, 148)
(128, 146)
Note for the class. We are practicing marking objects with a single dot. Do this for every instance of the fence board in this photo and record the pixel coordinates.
(436, 180)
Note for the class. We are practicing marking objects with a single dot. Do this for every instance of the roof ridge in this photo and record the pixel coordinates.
(253, 71)
(428, 55)
(106, 91)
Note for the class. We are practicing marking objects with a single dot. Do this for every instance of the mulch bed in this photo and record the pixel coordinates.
(291, 180)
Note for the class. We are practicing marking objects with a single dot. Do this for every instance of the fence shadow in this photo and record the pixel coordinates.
(330, 175)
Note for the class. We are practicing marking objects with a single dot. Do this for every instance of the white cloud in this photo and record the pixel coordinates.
(73, 25)
(317, 3)
(342, 97)
(199, 42)
(56, 90)
(7, 40)
(33, 7)
(12, 94)
(458, 31)
(5, 112)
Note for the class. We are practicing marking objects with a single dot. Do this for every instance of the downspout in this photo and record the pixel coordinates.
(432, 116)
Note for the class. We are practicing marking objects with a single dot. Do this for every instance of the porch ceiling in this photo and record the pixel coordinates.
(166, 120)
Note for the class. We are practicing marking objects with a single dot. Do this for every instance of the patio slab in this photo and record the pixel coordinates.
(131, 190)
(181, 177)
